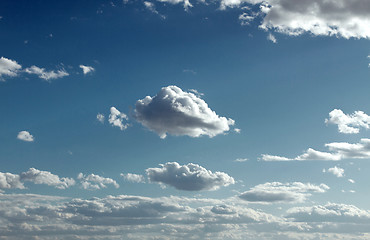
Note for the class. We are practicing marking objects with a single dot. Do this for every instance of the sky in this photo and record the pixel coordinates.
(180, 119)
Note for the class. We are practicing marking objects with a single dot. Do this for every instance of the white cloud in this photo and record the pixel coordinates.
(276, 192)
(186, 3)
(8, 68)
(310, 154)
(237, 130)
(151, 7)
(189, 177)
(173, 111)
(331, 212)
(9, 180)
(116, 118)
(46, 75)
(245, 19)
(25, 136)
(241, 160)
(271, 38)
(351, 180)
(336, 171)
(349, 124)
(44, 177)
(100, 117)
(131, 177)
(94, 182)
(87, 69)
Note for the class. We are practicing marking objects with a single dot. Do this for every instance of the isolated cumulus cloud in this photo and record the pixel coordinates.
(25, 136)
(44, 177)
(116, 118)
(8, 68)
(87, 69)
(189, 177)
(349, 123)
(95, 182)
(175, 112)
(46, 75)
(276, 192)
(336, 171)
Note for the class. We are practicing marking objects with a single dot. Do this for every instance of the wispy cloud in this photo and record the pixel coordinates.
(8, 68)
(46, 75)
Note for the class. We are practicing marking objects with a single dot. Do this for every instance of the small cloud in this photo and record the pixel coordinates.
(271, 38)
(50, 35)
(351, 180)
(25, 136)
(151, 7)
(237, 130)
(100, 117)
(241, 160)
(189, 71)
(95, 182)
(349, 123)
(9, 68)
(25, 41)
(245, 19)
(46, 75)
(116, 118)
(336, 171)
(131, 177)
(44, 177)
(87, 69)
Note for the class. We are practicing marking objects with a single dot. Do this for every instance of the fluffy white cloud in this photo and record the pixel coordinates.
(131, 177)
(351, 180)
(94, 182)
(100, 117)
(8, 68)
(189, 177)
(46, 75)
(331, 212)
(25, 136)
(44, 177)
(116, 118)
(336, 171)
(9, 180)
(276, 192)
(349, 123)
(338, 151)
(87, 69)
(176, 112)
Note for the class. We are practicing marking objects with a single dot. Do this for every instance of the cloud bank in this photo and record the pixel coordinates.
(175, 112)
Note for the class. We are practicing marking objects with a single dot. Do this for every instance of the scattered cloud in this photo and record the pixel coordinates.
(276, 192)
(151, 7)
(87, 69)
(271, 38)
(241, 160)
(25, 136)
(9, 68)
(46, 75)
(116, 119)
(351, 180)
(185, 3)
(237, 130)
(336, 171)
(131, 177)
(44, 177)
(95, 182)
(349, 123)
(9, 181)
(175, 112)
(100, 117)
(189, 177)
(245, 19)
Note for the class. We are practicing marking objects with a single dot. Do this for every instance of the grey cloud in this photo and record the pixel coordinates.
(189, 177)
(173, 111)
(95, 182)
(276, 192)
(131, 177)
(9, 180)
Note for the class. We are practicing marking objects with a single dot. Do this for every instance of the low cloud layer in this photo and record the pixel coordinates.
(95, 182)
(175, 112)
(338, 151)
(349, 123)
(276, 192)
(25, 136)
(189, 177)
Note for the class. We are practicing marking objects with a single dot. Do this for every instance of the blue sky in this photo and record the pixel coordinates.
(243, 119)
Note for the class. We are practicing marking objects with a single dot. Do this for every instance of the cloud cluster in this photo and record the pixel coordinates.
(46, 75)
(276, 192)
(173, 111)
(25, 136)
(8, 67)
(95, 182)
(338, 151)
(349, 123)
(189, 177)
(116, 118)
(44, 177)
